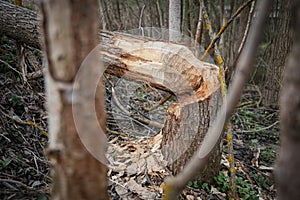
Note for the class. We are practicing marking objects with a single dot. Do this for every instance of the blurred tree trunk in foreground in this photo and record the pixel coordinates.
(280, 48)
(287, 172)
(70, 33)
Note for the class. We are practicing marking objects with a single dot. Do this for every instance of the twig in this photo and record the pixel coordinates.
(216, 51)
(22, 62)
(117, 183)
(162, 102)
(36, 74)
(140, 20)
(240, 105)
(30, 123)
(115, 132)
(241, 167)
(247, 28)
(159, 13)
(2, 135)
(140, 123)
(199, 27)
(260, 96)
(17, 182)
(142, 120)
(197, 163)
(231, 160)
(258, 130)
(9, 66)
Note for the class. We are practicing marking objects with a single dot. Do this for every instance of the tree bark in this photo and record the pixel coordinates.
(281, 46)
(70, 33)
(186, 125)
(19, 23)
(174, 20)
(288, 165)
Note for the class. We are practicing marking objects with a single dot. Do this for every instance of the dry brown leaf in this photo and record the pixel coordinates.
(152, 165)
(190, 197)
(121, 191)
(141, 191)
(136, 168)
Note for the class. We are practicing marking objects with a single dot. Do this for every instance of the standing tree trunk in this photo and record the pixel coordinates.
(287, 172)
(70, 33)
(281, 46)
(174, 20)
(186, 125)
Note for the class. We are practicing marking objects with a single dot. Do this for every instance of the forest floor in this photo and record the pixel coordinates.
(136, 167)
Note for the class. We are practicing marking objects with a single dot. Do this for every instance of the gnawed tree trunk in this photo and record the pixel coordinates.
(287, 171)
(174, 68)
(185, 127)
(166, 66)
(70, 33)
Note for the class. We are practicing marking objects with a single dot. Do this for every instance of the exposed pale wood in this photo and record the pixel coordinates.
(166, 65)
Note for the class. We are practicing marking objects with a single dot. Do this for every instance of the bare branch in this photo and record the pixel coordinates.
(222, 29)
(199, 25)
(249, 20)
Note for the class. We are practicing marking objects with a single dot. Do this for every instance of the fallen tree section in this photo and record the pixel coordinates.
(165, 65)
(20, 23)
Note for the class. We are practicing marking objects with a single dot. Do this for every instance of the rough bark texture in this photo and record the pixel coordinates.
(185, 127)
(70, 33)
(287, 171)
(13, 21)
(281, 46)
(174, 20)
